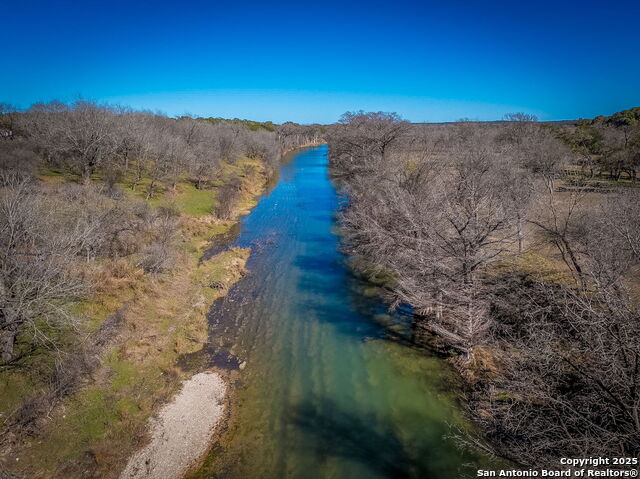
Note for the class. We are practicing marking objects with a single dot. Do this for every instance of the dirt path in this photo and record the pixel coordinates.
(181, 433)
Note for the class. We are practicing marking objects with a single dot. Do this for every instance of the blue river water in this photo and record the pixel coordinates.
(333, 385)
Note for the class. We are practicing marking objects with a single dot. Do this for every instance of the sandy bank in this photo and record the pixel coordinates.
(181, 432)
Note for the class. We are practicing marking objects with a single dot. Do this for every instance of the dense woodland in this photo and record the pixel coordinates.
(77, 187)
(517, 244)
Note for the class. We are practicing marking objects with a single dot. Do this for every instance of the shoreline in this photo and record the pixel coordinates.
(155, 467)
(182, 430)
(191, 405)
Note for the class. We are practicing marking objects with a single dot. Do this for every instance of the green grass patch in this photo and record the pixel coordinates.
(142, 189)
(194, 202)
(14, 387)
(125, 373)
(186, 198)
(95, 413)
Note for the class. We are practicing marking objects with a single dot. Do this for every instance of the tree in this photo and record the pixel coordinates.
(586, 142)
(36, 279)
(79, 136)
(361, 141)
(7, 121)
(520, 117)
(543, 155)
(519, 126)
(437, 225)
(569, 368)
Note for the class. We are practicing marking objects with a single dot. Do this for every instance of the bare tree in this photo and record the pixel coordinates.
(569, 370)
(35, 258)
(444, 211)
(79, 136)
(361, 140)
(436, 225)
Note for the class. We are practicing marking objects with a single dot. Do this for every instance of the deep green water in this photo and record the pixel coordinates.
(333, 387)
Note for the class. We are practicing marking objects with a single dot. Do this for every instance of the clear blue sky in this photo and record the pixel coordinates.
(311, 61)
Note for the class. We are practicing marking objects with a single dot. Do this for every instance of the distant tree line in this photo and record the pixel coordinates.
(525, 275)
(607, 146)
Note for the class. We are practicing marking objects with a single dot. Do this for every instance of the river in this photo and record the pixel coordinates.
(333, 387)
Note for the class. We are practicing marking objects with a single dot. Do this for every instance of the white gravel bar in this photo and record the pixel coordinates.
(181, 432)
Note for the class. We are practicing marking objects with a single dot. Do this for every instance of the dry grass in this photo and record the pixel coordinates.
(483, 366)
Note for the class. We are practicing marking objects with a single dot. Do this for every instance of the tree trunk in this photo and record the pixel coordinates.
(136, 180)
(87, 171)
(520, 235)
(574, 263)
(150, 190)
(7, 340)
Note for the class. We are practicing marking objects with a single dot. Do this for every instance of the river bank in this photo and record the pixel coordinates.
(332, 382)
(182, 430)
(155, 321)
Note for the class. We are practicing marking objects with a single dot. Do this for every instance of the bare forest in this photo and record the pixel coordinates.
(514, 244)
(101, 207)
(517, 245)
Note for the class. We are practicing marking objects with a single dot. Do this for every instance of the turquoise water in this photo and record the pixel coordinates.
(333, 386)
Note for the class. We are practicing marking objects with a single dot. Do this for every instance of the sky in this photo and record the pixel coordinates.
(310, 61)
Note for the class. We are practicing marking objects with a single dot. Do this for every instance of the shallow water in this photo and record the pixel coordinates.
(333, 387)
